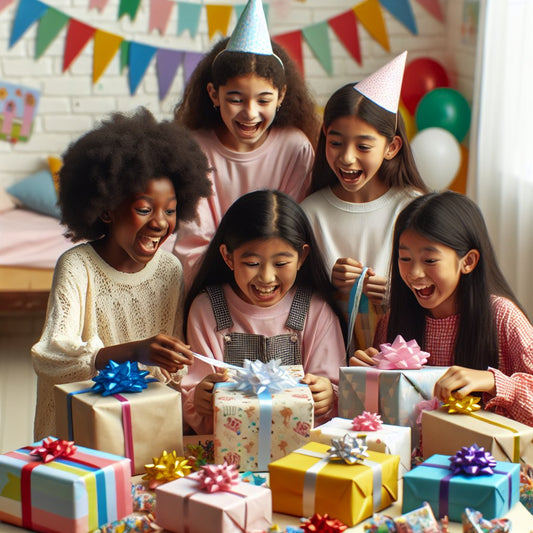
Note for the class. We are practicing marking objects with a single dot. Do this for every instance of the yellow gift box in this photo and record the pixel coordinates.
(306, 482)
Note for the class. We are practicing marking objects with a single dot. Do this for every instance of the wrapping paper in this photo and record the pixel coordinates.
(394, 394)
(67, 495)
(504, 438)
(432, 481)
(251, 431)
(473, 522)
(395, 440)
(97, 421)
(182, 507)
(304, 484)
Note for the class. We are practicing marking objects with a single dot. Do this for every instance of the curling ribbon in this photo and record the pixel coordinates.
(356, 294)
(468, 405)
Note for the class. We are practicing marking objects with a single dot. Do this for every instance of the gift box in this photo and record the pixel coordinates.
(473, 522)
(395, 440)
(73, 493)
(251, 430)
(507, 440)
(182, 506)
(138, 425)
(309, 481)
(394, 394)
(449, 493)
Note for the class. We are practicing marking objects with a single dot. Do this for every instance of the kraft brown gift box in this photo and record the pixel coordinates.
(445, 433)
(97, 423)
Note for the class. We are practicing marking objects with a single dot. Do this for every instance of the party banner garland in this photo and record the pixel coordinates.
(137, 56)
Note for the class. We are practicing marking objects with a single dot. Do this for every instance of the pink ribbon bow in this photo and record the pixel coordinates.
(426, 405)
(400, 355)
(214, 478)
(52, 449)
(367, 422)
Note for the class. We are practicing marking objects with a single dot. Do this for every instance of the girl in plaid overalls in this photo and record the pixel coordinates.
(263, 292)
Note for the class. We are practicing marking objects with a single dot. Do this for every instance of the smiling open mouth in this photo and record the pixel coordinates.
(248, 128)
(350, 175)
(150, 243)
(425, 292)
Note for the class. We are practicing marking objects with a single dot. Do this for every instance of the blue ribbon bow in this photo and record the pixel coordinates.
(121, 377)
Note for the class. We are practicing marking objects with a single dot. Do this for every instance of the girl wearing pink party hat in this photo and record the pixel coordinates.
(253, 116)
(363, 175)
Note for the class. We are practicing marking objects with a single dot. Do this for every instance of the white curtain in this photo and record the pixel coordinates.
(500, 176)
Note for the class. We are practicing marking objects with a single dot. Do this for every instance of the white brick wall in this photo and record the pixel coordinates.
(70, 104)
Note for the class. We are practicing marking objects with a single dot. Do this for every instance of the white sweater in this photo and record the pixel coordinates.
(91, 306)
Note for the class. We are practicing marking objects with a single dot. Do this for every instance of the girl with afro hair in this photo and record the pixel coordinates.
(124, 188)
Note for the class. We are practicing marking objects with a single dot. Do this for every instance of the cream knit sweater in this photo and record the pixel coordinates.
(92, 305)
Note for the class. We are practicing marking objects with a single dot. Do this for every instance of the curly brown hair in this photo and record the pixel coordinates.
(117, 159)
(195, 110)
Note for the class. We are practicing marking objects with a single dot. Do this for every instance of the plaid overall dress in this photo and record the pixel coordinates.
(240, 346)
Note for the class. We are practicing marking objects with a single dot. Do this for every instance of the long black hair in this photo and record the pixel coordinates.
(400, 171)
(455, 221)
(264, 214)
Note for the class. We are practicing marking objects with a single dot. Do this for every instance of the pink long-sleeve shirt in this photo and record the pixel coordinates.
(514, 375)
(322, 344)
(282, 162)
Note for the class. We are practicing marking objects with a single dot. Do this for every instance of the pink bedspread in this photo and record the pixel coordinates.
(28, 239)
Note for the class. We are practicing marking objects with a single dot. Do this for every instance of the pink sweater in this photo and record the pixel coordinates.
(514, 376)
(322, 343)
(282, 162)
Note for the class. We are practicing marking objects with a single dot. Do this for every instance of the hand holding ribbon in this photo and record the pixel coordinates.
(472, 461)
(367, 422)
(467, 405)
(400, 355)
(121, 377)
(52, 449)
(166, 468)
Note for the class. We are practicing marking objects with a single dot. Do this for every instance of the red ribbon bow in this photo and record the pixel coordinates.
(323, 524)
(52, 449)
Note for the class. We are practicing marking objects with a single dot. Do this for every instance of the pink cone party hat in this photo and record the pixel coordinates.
(383, 87)
(251, 32)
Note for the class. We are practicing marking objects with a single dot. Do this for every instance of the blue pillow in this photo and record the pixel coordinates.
(37, 193)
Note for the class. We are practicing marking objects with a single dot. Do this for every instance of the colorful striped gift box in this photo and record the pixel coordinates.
(71, 494)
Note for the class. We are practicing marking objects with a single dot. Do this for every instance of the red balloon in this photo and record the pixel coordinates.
(421, 76)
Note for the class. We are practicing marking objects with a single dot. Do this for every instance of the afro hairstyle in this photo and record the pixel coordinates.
(117, 159)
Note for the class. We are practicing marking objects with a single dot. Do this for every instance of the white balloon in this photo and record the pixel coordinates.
(437, 155)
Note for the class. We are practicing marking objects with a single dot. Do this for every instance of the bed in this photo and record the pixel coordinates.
(30, 244)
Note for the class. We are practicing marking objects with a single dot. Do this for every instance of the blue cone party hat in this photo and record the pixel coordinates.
(251, 32)
(384, 86)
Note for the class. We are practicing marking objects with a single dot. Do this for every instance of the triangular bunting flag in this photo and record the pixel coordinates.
(190, 62)
(218, 17)
(124, 54)
(345, 27)
(240, 8)
(5, 3)
(159, 14)
(402, 11)
(317, 38)
(188, 17)
(106, 45)
(28, 11)
(167, 63)
(78, 35)
(370, 16)
(97, 4)
(433, 8)
(128, 7)
(51, 23)
(139, 59)
(292, 43)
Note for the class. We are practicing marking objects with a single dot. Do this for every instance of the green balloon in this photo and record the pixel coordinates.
(444, 108)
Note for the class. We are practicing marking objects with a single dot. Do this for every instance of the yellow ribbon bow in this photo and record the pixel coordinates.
(166, 468)
(467, 405)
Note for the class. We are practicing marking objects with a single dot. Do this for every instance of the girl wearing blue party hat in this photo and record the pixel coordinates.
(251, 113)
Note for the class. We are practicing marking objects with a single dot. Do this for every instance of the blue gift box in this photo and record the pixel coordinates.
(449, 494)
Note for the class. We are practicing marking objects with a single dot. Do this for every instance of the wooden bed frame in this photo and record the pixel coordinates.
(24, 290)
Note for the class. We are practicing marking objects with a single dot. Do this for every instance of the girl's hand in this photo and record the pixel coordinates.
(322, 391)
(460, 382)
(203, 393)
(167, 352)
(345, 273)
(363, 357)
(375, 287)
